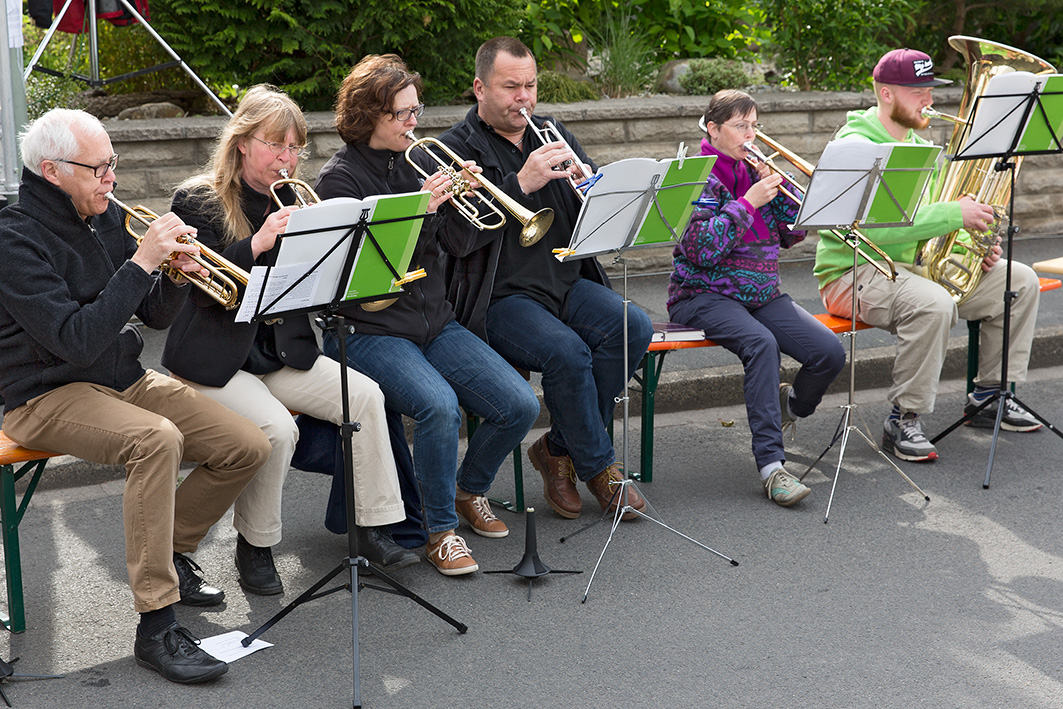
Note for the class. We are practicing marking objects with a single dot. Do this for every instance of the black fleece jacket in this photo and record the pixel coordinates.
(421, 313)
(67, 295)
(205, 344)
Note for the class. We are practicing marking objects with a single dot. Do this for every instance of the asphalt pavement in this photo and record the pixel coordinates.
(896, 602)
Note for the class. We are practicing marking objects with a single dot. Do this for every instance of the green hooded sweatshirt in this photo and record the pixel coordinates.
(834, 259)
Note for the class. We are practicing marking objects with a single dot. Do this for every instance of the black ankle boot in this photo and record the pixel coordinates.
(258, 575)
(376, 544)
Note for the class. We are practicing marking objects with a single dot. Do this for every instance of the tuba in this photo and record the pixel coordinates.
(954, 260)
(223, 275)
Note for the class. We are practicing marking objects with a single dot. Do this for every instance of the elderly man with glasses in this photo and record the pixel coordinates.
(72, 382)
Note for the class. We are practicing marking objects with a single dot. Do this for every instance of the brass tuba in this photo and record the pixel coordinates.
(954, 260)
(223, 275)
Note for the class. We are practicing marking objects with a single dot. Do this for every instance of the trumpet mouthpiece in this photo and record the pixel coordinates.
(929, 113)
(752, 150)
(283, 173)
(409, 134)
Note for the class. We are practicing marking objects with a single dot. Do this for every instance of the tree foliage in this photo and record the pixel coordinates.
(307, 48)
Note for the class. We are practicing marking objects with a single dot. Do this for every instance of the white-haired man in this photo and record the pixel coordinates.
(72, 382)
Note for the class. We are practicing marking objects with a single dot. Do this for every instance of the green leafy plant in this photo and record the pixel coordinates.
(833, 45)
(308, 47)
(554, 87)
(625, 53)
(707, 76)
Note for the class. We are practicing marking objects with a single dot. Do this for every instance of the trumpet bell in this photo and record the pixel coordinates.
(536, 227)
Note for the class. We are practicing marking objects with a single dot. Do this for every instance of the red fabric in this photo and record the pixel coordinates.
(110, 10)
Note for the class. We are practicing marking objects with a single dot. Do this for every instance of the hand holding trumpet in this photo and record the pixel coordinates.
(265, 238)
(441, 185)
(542, 167)
(167, 241)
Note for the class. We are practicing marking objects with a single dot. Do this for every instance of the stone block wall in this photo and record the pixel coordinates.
(159, 154)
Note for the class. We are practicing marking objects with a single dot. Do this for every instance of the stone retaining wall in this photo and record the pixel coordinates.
(158, 154)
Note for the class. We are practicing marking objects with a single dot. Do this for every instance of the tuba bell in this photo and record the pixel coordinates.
(954, 260)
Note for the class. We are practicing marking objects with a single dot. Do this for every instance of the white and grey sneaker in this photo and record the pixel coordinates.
(904, 438)
(1015, 417)
(784, 489)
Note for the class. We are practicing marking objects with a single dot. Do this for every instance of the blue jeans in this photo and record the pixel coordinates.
(758, 335)
(429, 383)
(581, 357)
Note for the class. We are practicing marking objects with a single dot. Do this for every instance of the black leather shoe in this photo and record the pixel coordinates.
(194, 590)
(376, 544)
(175, 654)
(257, 572)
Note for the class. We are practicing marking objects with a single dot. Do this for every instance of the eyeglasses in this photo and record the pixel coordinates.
(403, 114)
(98, 170)
(742, 126)
(297, 151)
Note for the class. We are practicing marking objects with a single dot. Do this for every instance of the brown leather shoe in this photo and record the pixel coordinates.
(606, 483)
(559, 479)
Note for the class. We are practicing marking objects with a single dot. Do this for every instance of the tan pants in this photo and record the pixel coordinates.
(151, 427)
(921, 313)
(266, 400)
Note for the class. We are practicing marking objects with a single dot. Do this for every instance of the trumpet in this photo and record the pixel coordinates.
(550, 134)
(469, 202)
(223, 275)
(304, 193)
(855, 237)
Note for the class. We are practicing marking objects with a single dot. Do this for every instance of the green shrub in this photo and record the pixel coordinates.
(554, 87)
(307, 48)
(625, 52)
(707, 76)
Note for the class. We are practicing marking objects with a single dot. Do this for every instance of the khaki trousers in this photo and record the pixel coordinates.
(151, 427)
(266, 399)
(921, 313)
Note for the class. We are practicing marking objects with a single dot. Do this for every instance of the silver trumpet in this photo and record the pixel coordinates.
(550, 134)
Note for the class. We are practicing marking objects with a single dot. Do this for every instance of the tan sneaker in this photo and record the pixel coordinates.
(451, 557)
(606, 483)
(477, 512)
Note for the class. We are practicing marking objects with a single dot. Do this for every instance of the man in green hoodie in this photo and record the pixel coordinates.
(919, 311)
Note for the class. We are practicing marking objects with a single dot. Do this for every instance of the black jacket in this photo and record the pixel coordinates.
(67, 295)
(205, 344)
(420, 314)
(471, 276)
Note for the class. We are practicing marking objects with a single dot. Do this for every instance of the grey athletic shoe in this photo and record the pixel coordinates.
(904, 438)
(1015, 417)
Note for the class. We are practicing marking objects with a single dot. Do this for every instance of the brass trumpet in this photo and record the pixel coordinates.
(223, 275)
(550, 134)
(465, 200)
(889, 271)
(304, 193)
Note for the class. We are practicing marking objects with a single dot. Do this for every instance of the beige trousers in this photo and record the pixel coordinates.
(921, 313)
(151, 427)
(266, 399)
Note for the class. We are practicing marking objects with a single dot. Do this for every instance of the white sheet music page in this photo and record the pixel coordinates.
(280, 278)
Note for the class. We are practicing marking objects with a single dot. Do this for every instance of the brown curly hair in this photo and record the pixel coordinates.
(367, 93)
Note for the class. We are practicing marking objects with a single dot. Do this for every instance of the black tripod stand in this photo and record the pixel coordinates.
(94, 79)
(350, 236)
(1003, 394)
(1014, 125)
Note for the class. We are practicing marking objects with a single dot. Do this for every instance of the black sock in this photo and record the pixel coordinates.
(555, 450)
(154, 621)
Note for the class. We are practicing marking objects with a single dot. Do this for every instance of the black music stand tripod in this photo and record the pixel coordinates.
(854, 200)
(331, 320)
(1004, 394)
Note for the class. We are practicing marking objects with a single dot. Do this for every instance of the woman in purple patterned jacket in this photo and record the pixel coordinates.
(726, 282)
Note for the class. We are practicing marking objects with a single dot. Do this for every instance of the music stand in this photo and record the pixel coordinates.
(635, 203)
(1013, 123)
(880, 185)
(344, 247)
(94, 54)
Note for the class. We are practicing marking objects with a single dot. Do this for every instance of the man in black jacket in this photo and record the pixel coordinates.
(72, 382)
(561, 319)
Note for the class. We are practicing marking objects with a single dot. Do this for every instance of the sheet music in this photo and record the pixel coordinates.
(999, 117)
(280, 277)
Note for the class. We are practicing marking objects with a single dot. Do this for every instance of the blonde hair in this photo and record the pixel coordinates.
(264, 108)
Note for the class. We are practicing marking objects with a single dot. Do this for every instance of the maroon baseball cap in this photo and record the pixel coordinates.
(907, 67)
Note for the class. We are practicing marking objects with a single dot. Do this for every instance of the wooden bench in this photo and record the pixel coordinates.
(649, 373)
(16, 463)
